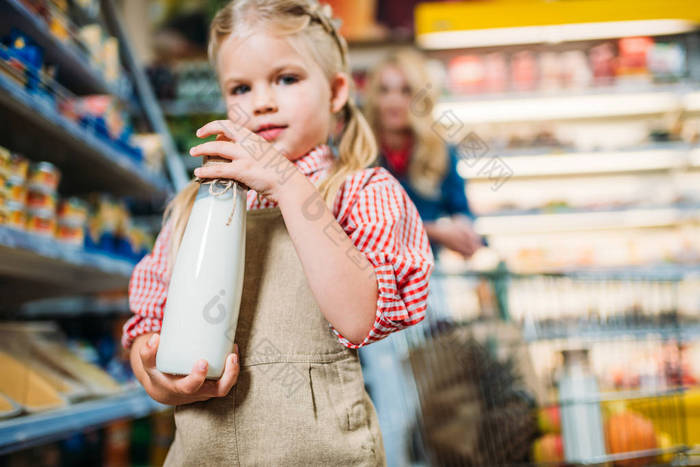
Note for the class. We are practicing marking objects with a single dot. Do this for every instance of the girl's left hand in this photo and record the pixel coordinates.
(254, 161)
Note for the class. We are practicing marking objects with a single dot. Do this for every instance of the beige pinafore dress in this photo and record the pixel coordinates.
(300, 398)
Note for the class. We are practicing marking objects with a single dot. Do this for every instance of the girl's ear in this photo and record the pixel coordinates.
(340, 91)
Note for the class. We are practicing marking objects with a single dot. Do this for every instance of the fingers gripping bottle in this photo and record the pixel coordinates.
(204, 294)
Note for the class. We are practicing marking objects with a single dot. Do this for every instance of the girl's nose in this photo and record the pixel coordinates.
(264, 101)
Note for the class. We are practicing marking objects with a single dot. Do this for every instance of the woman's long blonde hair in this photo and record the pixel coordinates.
(315, 28)
(429, 159)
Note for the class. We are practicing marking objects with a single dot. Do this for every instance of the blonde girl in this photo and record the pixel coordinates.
(336, 254)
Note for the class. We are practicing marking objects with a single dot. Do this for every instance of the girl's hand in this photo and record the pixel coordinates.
(254, 161)
(177, 390)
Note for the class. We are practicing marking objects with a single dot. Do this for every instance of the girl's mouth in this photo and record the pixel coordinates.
(270, 132)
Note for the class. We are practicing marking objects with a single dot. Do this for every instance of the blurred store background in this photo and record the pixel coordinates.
(572, 337)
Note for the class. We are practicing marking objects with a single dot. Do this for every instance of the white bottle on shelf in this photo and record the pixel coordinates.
(204, 294)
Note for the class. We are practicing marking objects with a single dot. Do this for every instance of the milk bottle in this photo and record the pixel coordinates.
(204, 294)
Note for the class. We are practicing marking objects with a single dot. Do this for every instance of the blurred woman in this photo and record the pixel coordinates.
(399, 107)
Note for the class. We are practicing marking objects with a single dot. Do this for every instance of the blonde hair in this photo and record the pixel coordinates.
(429, 159)
(314, 26)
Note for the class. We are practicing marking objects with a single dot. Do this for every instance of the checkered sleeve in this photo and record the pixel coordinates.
(148, 288)
(383, 223)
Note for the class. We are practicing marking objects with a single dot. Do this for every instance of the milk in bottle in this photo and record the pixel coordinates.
(204, 294)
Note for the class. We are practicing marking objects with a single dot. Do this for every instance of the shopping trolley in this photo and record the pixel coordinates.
(545, 369)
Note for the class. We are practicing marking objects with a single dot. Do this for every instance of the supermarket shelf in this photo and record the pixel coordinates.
(653, 272)
(615, 102)
(73, 68)
(87, 163)
(593, 163)
(76, 306)
(575, 221)
(533, 332)
(33, 430)
(48, 266)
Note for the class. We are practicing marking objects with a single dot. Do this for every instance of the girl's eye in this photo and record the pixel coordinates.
(406, 91)
(287, 79)
(240, 89)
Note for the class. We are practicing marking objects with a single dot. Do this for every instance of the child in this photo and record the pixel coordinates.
(336, 254)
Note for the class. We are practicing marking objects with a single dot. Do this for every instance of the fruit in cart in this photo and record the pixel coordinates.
(664, 442)
(548, 449)
(627, 432)
(549, 419)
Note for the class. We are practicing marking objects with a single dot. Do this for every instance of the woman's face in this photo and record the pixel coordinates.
(394, 99)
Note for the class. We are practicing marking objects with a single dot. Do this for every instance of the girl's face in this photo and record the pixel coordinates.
(394, 99)
(273, 90)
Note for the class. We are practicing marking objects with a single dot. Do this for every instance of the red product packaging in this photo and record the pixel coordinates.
(524, 71)
(467, 74)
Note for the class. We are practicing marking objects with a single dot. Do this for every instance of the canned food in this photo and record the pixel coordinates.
(44, 177)
(71, 234)
(16, 192)
(40, 200)
(41, 222)
(19, 168)
(4, 160)
(73, 211)
(16, 216)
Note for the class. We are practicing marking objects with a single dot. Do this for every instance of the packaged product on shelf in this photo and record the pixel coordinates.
(523, 71)
(666, 61)
(70, 234)
(26, 387)
(5, 157)
(141, 242)
(72, 221)
(44, 342)
(73, 210)
(39, 200)
(43, 177)
(551, 70)
(102, 111)
(95, 378)
(117, 443)
(496, 72)
(18, 169)
(41, 222)
(16, 216)
(123, 245)
(18, 342)
(102, 227)
(151, 146)
(467, 74)
(23, 54)
(110, 59)
(632, 59)
(575, 71)
(91, 37)
(8, 408)
(59, 24)
(602, 59)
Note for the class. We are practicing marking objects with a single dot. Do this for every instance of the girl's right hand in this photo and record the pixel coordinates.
(177, 389)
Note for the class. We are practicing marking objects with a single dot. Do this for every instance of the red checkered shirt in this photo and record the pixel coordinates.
(374, 211)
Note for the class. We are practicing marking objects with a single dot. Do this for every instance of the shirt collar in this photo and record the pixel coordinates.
(317, 159)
